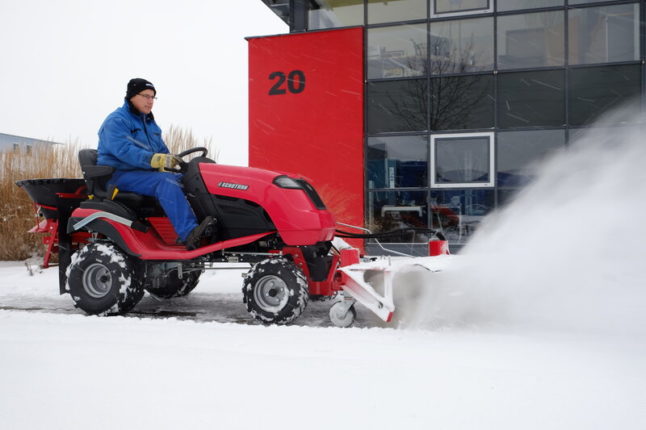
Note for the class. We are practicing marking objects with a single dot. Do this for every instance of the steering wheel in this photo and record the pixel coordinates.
(192, 150)
(183, 164)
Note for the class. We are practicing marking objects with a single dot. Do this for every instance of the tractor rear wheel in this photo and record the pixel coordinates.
(100, 279)
(275, 291)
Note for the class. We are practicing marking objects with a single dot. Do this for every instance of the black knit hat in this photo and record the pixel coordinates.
(137, 85)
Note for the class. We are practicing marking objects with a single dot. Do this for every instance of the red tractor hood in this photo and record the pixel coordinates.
(298, 213)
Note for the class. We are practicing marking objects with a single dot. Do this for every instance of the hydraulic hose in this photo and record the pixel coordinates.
(389, 234)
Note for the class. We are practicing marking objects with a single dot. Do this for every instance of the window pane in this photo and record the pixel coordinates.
(400, 161)
(462, 45)
(447, 6)
(396, 52)
(530, 40)
(391, 210)
(462, 160)
(597, 90)
(465, 102)
(520, 152)
(457, 213)
(398, 106)
(506, 195)
(586, 1)
(395, 10)
(531, 99)
(504, 5)
(604, 34)
(336, 13)
(611, 135)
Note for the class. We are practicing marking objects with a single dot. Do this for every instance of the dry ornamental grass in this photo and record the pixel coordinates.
(17, 213)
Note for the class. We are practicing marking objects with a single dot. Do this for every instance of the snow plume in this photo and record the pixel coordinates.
(568, 254)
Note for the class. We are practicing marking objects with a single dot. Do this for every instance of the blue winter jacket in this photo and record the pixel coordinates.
(128, 139)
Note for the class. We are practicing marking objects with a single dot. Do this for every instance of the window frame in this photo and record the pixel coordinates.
(434, 15)
(492, 164)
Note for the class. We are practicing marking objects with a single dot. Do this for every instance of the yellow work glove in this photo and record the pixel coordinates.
(163, 162)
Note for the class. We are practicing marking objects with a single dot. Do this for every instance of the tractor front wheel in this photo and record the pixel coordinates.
(275, 291)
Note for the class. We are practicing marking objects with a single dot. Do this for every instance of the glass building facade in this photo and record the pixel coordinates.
(465, 97)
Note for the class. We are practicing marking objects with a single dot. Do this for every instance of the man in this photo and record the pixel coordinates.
(131, 142)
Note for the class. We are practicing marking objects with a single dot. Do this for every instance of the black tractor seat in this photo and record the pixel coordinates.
(97, 177)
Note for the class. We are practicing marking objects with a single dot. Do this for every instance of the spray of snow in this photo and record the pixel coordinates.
(568, 254)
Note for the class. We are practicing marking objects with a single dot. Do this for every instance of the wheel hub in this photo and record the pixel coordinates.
(97, 280)
(271, 293)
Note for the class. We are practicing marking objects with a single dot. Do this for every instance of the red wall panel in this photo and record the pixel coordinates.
(306, 113)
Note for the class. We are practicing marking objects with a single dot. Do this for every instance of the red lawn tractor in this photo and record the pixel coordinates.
(113, 246)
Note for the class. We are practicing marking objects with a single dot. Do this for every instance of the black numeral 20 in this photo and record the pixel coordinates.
(295, 82)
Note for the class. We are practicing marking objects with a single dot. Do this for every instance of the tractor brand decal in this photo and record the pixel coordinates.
(233, 186)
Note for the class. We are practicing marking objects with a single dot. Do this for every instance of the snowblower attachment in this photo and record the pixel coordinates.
(387, 283)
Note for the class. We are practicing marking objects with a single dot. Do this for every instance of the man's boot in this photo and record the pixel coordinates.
(194, 238)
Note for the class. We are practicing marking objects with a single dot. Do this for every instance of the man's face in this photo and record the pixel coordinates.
(143, 101)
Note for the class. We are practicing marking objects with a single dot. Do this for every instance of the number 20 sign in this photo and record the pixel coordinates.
(295, 82)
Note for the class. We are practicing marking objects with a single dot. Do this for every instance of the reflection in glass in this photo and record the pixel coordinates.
(397, 106)
(594, 91)
(395, 52)
(530, 40)
(507, 195)
(395, 10)
(504, 5)
(457, 213)
(529, 99)
(335, 13)
(400, 161)
(464, 45)
(520, 152)
(394, 210)
(464, 102)
(612, 131)
(604, 34)
(586, 1)
(462, 160)
(450, 6)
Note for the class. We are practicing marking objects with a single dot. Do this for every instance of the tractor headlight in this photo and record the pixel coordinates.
(286, 182)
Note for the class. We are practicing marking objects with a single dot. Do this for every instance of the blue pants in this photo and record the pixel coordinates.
(167, 189)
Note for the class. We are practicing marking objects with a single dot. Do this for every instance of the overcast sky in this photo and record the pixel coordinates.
(64, 65)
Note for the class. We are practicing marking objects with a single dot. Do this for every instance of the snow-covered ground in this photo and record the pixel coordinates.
(539, 324)
(210, 366)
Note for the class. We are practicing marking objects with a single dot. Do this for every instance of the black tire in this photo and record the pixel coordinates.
(171, 286)
(101, 281)
(275, 291)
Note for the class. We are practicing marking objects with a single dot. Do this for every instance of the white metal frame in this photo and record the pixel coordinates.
(461, 13)
(492, 171)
